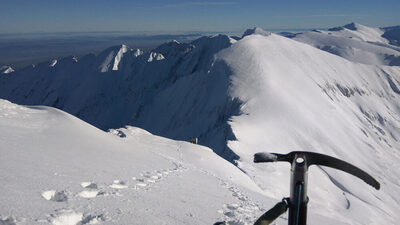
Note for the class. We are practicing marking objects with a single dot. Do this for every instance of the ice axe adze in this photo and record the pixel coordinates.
(297, 203)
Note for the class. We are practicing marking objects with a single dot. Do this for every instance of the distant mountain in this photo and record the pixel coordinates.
(356, 43)
(392, 34)
(256, 30)
(6, 69)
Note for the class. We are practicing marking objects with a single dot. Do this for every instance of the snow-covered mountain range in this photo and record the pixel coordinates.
(335, 92)
(357, 43)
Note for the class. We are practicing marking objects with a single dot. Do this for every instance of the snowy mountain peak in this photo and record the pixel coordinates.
(357, 43)
(256, 30)
(136, 52)
(350, 26)
(353, 26)
(6, 70)
(155, 56)
(53, 63)
(112, 57)
(359, 32)
(119, 56)
(173, 48)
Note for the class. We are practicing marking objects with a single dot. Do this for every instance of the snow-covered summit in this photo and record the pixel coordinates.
(111, 58)
(359, 32)
(6, 70)
(256, 30)
(354, 42)
(53, 63)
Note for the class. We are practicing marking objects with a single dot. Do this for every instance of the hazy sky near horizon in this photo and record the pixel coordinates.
(176, 16)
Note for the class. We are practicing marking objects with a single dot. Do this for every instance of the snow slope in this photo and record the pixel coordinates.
(296, 97)
(354, 42)
(57, 169)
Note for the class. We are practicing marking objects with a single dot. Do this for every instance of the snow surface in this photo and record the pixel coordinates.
(296, 97)
(360, 32)
(47, 156)
(238, 96)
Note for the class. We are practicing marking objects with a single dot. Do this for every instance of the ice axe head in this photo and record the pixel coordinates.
(312, 158)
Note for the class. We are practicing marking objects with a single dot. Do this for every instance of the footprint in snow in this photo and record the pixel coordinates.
(89, 185)
(89, 194)
(140, 179)
(154, 177)
(119, 184)
(70, 217)
(8, 220)
(244, 211)
(53, 195)
(141, 184)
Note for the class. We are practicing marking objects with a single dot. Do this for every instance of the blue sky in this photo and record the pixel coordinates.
(162, 16)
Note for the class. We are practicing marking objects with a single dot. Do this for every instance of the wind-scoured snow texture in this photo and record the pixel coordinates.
(354, 42)
(174, 79)
(299, 98)
(48, 158)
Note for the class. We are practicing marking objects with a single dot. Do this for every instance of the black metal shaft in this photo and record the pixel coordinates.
(298, 191)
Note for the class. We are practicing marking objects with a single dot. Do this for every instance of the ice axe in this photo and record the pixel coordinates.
(297, 202)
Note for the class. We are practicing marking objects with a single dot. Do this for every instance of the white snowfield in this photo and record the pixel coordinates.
(57, 169)
(262, 92)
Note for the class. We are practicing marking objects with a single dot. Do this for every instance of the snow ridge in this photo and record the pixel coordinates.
(119, 56)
